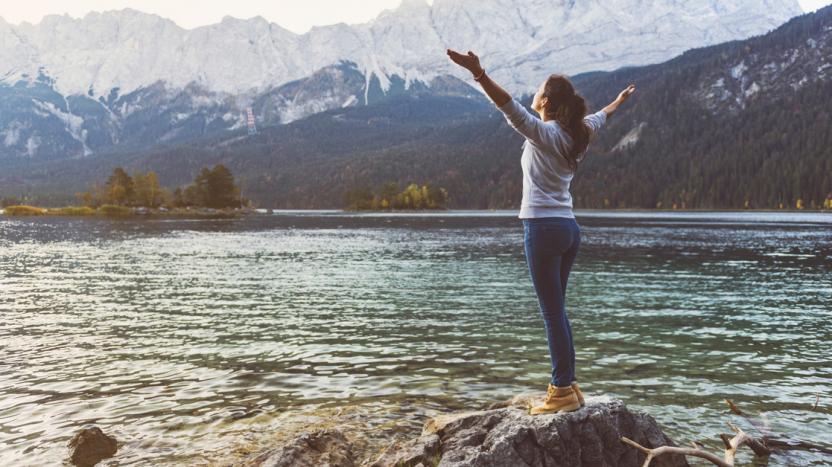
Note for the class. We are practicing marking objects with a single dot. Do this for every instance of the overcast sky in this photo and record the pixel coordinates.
(295, 15)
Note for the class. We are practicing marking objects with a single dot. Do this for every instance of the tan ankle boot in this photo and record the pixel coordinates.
(557, 400)
(578, 393)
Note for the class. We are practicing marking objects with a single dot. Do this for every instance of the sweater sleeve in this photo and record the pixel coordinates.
(596, 121)
(524, 122)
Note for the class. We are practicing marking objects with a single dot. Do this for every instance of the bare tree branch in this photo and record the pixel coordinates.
(656, 452)
(761, 447)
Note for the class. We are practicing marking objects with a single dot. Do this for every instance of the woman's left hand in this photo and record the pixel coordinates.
(626, 93)
(470, 62)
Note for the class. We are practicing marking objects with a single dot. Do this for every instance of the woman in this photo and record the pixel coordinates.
(554, 145)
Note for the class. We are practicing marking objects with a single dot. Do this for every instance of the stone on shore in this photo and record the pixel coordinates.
(90, 446)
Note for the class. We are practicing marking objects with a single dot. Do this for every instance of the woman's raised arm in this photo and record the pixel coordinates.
(472, 63)
(516, 115)
(622, 97)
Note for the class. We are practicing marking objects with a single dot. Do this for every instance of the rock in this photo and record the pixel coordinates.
(423, 451)
(90, 446)
(322, 448)
(509, 436)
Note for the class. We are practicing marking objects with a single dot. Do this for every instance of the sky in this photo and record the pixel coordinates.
(295, 15)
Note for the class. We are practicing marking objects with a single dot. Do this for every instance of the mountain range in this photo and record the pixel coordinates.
(735, 125)
(128, 81)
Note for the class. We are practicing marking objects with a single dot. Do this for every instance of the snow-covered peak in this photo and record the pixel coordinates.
(520, 42)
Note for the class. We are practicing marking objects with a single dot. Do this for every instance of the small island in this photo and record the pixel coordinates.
(387, 197)
(212, 195)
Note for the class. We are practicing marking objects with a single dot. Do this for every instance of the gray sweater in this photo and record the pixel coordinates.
(546, 174)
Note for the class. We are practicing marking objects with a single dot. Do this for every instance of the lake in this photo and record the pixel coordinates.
(194, 342)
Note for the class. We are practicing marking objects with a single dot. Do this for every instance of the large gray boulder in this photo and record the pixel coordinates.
(508, 436)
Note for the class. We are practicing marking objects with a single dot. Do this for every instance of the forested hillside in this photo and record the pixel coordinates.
(744, 124)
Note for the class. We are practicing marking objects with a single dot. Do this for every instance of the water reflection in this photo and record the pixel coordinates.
(186, 339)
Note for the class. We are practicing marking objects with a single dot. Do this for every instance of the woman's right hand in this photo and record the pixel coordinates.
(470, 62)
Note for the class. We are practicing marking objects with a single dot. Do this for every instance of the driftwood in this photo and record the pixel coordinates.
(771, 442)
(762, 446)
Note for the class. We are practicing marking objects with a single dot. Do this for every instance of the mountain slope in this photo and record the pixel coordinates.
(739, 124)
(137, 79)
(37, 123)
(743, 124)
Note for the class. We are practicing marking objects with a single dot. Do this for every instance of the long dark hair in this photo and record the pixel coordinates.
(569, 109)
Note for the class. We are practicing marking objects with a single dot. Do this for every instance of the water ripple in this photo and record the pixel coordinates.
(188, 340)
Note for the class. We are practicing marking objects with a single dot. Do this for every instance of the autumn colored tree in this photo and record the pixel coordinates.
(147, 191)
(213, 188)
(119, 187)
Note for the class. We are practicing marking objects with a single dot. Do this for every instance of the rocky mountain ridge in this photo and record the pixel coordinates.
(126, 80)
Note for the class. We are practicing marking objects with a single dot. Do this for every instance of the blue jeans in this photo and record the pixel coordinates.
(551, 244)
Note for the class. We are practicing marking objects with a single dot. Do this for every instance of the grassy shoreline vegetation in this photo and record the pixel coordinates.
(111, 210)
(212, 195)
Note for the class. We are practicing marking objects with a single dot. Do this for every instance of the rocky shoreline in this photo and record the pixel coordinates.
(501, 435)
(603, 433)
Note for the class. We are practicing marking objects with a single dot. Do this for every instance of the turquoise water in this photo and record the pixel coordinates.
(190, 339)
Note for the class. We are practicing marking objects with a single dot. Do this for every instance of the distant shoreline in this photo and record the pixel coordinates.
(115, 211)
(577, 210)
(705, 210)
(111, 211)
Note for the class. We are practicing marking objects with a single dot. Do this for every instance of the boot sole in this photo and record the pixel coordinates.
(568, 408)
